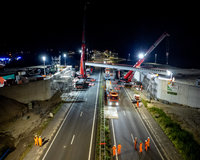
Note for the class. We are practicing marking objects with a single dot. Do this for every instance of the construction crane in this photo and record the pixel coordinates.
(130, 74)
(83, 47)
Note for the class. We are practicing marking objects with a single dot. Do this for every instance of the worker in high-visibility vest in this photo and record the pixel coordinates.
(119, 149)
(36, 140)
(148, 142)
(140, 147)
(135, 143)
(40, 141)
(138, 104)
(145, 145)
(114, 150)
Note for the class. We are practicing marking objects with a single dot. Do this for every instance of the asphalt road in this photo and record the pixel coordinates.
(128, 126)
(75, 140)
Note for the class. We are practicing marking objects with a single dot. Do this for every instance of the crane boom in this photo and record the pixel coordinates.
(129, 74)
(83, 46)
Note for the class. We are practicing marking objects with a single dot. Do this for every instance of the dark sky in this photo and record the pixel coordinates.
(123, 26)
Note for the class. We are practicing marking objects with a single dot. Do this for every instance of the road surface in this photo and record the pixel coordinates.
(126, 127)
(75, 140)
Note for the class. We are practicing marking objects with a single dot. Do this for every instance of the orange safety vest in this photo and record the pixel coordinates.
(146, 145)
(114, 150)
(36, 140)
(135, 144)
(119, 148)
(148, 142)
(40, 141)
(140, 147)
(137, 104)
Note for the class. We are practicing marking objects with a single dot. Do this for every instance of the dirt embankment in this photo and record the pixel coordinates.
(19, 122)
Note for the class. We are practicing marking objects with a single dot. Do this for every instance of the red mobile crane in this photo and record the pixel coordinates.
(130, 74)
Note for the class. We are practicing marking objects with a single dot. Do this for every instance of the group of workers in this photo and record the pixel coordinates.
(146, 146)
(38, 140)
(118, 148)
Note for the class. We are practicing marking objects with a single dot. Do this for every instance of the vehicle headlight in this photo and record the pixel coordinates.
(110, 103)
(117, 103)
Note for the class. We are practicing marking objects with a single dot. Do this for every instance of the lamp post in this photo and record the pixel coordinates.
(169, 73)
(141, 55)
(44, 59)
(64, 55)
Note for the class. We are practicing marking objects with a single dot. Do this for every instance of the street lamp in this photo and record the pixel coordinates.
(64, 55)
(141, 55)
(169, 73)
(44, 59)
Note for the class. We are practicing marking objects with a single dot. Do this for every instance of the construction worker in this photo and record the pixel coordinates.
(40, 141)
(114, 150)
(135, 143)
(140, 147)
(36, 140)
(141, 87)
(145, 145)
(148, 142)
(138, 104)
(119, 149)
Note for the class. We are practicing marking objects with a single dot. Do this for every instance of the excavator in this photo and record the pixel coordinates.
(128, 77)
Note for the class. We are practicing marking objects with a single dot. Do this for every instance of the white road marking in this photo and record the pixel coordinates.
(81, 114)
(91, 139)
(114, 137)
(58, 130)
(146, 129)
(72, 139)
(132, 137)
(124, 113)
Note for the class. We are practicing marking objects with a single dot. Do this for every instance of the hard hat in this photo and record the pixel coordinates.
(145, 140)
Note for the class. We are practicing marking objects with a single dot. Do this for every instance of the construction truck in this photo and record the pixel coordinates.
(107, 74)
(112, 96)
(136, 97)
(81, 84)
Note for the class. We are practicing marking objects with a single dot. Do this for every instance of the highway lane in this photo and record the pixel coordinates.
(75, 139)
(128, 126)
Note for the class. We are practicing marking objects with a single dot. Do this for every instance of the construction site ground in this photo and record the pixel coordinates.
(19, 124)
(18, 132)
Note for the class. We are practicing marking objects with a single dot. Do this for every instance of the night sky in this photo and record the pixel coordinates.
(121, 26)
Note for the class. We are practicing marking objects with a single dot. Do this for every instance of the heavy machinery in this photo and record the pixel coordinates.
(81, 84)
(112, 95)
(130, 74)
(107, 74)
(113, 98)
